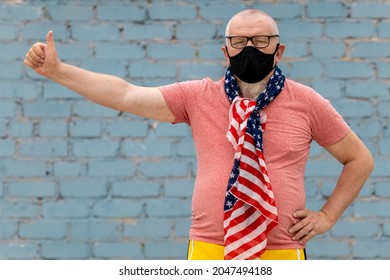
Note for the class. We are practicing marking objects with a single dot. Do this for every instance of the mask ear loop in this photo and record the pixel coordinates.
(227, 51)
(277, 47)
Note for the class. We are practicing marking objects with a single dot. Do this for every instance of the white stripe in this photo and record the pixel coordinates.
(257, 248)
(250, 162)
(249, 220)
(265, 204)
(256, 181)
(298, 254)
(252, 178)
(249, 237)
(247, 109)
(240, 111)
(238, 212)
(192, 250)
(263, 117)
(234, 214)
(232, 140)
(262, 163)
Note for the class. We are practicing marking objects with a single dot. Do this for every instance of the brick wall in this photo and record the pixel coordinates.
(79, 181)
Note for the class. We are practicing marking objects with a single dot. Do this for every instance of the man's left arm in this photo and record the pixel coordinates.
(358, 164)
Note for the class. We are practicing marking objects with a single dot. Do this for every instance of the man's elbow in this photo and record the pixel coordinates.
(370, 163)
(367, 162)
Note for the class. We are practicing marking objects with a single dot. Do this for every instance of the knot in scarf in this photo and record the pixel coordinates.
(250, 210)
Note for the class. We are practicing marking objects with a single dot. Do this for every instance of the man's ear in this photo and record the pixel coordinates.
(225, 54)
(279, 52)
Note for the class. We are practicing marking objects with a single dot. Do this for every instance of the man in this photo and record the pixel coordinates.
(252, 132)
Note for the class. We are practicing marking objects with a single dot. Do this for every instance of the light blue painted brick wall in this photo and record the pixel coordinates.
(80, 181)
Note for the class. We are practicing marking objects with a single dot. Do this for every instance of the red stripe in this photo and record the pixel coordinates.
(250, 168)
(236, 236)
(256, 204)
(233, 131)
(240, 112)
(241, 218)
(262, 191)
(237, 116)
(248, 245)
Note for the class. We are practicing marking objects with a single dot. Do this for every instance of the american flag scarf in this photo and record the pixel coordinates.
(250, 209)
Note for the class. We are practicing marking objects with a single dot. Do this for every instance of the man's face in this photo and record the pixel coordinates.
(252, 25)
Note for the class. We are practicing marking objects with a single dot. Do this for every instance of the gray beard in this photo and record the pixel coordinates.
(251, 91)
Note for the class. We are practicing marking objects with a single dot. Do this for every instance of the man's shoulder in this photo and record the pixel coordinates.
(299, 89)
(208, 82)
(205, 90)
(295, 85)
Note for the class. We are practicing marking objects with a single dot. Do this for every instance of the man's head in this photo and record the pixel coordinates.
(248, 32)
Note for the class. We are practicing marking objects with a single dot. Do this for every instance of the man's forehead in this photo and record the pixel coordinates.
(253, 24)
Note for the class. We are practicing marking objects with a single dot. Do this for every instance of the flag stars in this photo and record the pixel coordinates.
(248, 119)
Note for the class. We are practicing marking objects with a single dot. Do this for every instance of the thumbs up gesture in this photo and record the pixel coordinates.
(43, 57)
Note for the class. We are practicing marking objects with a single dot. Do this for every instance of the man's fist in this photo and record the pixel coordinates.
(43, 57)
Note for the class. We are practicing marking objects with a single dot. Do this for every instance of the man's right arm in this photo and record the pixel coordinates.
(106, 90)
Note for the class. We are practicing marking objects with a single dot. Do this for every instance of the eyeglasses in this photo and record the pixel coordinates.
(260, 41)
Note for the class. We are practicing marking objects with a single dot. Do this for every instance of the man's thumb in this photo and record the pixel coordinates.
(50, 39)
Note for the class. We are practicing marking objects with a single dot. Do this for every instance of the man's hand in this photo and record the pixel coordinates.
(310, 224)
(43, 57)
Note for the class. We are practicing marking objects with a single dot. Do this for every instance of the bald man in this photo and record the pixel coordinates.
(252, 131)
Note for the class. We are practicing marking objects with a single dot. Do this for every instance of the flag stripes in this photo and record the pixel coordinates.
(250, 209)
(249, 220)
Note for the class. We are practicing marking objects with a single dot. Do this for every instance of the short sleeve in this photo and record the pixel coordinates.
(179, 96)
(327, 125)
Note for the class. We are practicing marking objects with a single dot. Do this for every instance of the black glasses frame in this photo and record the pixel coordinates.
(251, 39)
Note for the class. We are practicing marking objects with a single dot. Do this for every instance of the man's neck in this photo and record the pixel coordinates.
(251, 91)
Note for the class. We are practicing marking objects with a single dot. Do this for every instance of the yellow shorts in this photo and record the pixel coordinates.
(198, 250)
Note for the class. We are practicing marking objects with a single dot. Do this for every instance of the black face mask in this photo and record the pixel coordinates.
(252, 65)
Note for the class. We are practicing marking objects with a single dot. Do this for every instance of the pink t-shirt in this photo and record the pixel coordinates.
(296, 117)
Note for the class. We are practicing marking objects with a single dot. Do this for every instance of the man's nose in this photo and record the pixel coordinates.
(249, 43)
